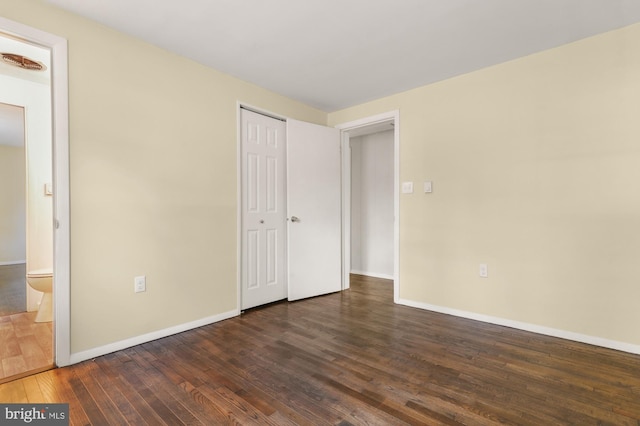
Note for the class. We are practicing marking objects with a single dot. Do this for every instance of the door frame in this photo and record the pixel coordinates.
(60, 153)
(345, 128)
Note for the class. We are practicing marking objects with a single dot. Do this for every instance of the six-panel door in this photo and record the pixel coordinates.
(263, 210)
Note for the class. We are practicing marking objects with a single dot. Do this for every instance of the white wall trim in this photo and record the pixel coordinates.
(60, 137)
(239, 131)
(345, 148)
(373, 275)
(144, 338)
(547, 331)
(346, 190)
(13, 262)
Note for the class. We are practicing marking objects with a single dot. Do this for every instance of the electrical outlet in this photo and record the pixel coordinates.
(140, 284)
(484, 270)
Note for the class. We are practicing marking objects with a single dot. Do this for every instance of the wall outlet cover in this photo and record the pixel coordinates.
(484, 270)
(140, 284)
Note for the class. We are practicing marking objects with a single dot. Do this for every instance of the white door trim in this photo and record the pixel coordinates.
(346, 194)
(60, 120)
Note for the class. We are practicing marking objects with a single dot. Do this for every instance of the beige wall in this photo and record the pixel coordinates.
(153, 179)
(534, 164)
(13, 242)
(536, 171)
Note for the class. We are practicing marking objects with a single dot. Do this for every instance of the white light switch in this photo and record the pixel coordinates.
(48, 189)
(428, 187)
(407, 187)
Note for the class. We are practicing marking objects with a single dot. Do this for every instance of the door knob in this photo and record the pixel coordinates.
(261, 221)
(295, 219)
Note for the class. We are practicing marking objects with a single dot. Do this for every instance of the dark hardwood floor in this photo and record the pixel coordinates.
(346, 358)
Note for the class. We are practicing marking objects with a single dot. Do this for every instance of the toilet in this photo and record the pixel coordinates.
(42, 280)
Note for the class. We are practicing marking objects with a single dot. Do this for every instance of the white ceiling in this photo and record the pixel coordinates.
(332, 54)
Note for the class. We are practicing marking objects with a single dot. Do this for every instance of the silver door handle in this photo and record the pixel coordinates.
(295, 219)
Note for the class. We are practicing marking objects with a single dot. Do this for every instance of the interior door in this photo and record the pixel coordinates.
(314, 209)
(264, 278)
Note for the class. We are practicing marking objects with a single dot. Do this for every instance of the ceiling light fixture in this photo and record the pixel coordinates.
(22, 62)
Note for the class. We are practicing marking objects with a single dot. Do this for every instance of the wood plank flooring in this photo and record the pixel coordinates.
(348, 358)
(25, 346)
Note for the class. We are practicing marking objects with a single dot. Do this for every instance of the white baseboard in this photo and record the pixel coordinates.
(547, 331)
(13, 262)
(138, 340)
(373, 274)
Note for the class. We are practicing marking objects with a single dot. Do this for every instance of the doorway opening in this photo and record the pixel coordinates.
(47, 148)
(26, 230)
(370, 170)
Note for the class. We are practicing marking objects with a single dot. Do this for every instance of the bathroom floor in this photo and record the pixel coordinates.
(13, 289)
(26, 347)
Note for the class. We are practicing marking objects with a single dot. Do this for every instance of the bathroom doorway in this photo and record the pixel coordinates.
(56, 123)
(27, 89)
(26, 213)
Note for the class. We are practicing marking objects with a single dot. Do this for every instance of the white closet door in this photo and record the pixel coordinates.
(264, 277)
